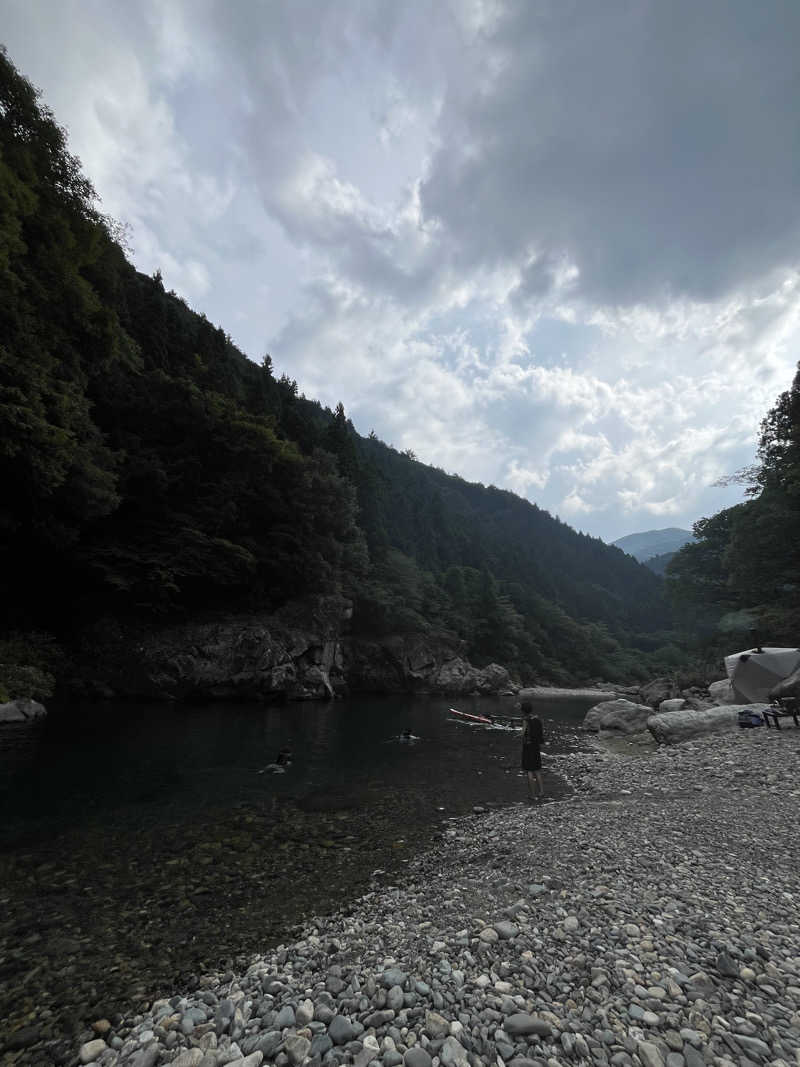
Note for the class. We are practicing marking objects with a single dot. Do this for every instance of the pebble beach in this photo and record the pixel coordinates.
(650, 919)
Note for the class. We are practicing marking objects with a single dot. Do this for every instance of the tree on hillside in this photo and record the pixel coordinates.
(747, 558)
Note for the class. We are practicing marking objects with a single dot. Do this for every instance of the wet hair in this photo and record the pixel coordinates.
(527, 707)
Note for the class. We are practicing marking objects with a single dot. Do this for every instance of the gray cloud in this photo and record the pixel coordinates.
(654, 145)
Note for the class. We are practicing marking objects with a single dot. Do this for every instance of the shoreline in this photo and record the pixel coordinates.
(649, 919)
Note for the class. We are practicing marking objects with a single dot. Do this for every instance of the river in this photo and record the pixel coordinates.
(141, 845)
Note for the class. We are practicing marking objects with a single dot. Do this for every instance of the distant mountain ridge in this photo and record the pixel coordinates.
(644, 546)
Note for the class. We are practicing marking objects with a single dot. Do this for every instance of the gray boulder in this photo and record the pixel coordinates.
(721, 692)
(621, 716)
(673, 727)
(676, 704)
(788, 687)
(22, 711)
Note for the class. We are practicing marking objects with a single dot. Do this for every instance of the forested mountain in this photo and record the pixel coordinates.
(150, 469)
(650, 543)
(742, 574)
(659, 564)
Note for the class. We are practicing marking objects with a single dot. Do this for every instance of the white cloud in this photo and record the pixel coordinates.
(547, 249)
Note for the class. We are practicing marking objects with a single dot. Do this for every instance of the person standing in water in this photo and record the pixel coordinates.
(532, 737)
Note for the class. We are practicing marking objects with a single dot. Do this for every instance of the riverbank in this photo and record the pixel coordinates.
(650, 919)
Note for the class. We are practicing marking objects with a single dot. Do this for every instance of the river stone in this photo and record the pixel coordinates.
(489, 935)
(190, 1058)
(394, 998)
(417, 1057)
(270, 1043)
(727, 966)
(341, 1030)
(296, 1048)
(304, 1012)
(453, 1054)
(22, 1038)
(649, 1055)
(146, 1057)
(320, 1044)
(379, 1018)
(436, 1025)
(285, 1017)
(507, 931)
(91, 1050)
(520, 1024)
(393, 976)
(754, 1046)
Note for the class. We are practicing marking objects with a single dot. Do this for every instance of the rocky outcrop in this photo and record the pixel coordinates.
(22, 711)
(297, 654)
(675, 726)
(586, 697)
(619, 716)
(291, 656)
(418, 663)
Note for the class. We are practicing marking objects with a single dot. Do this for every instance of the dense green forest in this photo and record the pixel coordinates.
(150, 470)
(740, 580)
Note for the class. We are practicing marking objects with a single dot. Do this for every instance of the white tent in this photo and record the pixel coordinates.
(754, 672)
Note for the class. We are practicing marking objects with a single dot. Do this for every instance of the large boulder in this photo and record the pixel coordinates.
(672, 727)
(788, 687)
(621, 716)
(721, 692)
(22, 711)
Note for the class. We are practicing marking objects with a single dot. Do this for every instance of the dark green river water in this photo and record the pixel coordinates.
(143, 844)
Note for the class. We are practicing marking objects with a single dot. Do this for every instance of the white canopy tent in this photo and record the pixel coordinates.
(755, 672)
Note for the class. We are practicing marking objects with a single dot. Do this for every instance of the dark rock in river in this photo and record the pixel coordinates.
(300, 653)
(22, 711)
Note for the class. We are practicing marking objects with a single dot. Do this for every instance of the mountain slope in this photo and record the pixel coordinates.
(644, 546)
(151, 470)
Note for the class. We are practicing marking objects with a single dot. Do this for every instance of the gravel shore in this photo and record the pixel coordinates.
(651, 920)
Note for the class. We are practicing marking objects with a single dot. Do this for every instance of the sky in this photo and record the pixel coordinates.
(549, 246)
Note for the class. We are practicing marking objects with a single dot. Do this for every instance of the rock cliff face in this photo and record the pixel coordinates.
(296, 654)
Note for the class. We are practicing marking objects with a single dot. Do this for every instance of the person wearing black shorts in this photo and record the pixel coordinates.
(532, 737)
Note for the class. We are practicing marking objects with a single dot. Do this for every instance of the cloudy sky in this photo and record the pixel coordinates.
(551, 246)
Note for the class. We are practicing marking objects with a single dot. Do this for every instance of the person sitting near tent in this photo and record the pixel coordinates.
(532, 737)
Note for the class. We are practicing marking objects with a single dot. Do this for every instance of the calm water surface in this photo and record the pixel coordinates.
(142, 844)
